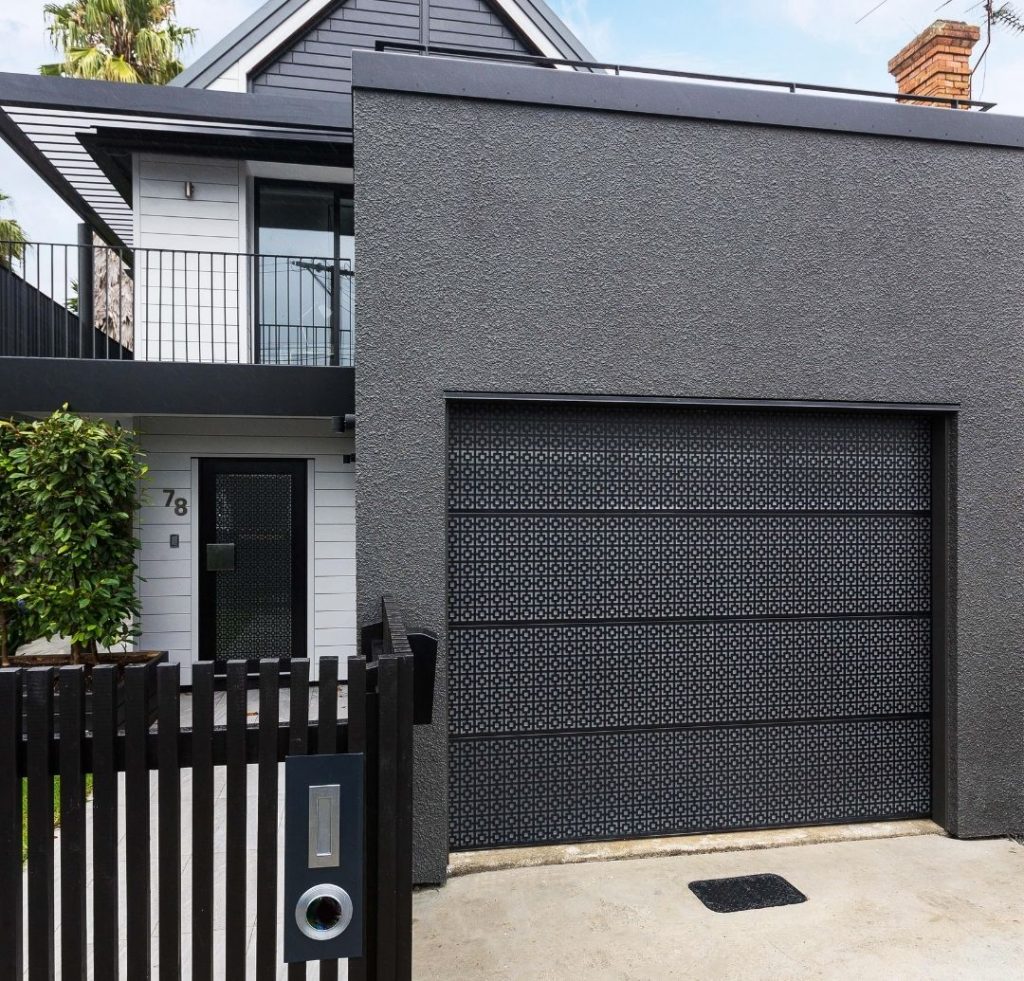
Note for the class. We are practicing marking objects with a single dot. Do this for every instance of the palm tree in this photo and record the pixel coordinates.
(117, 40)
(12, 239)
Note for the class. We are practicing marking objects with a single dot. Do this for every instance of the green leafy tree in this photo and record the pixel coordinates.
(75, 484)
(12, 237)
(117, 40)
(10, 561)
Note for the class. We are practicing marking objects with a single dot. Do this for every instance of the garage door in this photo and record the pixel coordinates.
(666, 620)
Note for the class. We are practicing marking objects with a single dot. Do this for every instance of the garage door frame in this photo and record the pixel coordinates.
(943, 417)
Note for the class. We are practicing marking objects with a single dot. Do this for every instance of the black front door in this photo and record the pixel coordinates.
(252, 559)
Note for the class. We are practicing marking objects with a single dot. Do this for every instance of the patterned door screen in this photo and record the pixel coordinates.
(253, 616)
(667, 620)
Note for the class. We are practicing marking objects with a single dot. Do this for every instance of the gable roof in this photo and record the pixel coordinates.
(273, 14)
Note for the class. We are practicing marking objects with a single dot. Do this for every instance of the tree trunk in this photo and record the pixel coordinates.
(4, 660)
(76, 652)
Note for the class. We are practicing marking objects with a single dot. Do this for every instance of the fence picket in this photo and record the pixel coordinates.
(403, 819)
(235, 825)
(169, 821)
(137, 837)
(387, 851)
(327, 742)
(266, 830)
(105, 886)
(39, 691)
(298, 743)
(357, 742)
(202, 821)
(12, 920)
(71, 681)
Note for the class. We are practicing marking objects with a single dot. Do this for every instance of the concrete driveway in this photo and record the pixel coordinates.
(922, 907)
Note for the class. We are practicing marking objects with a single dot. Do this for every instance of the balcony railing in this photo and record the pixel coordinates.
(82, 301)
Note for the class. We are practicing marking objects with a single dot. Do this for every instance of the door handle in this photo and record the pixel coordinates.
(220, 557)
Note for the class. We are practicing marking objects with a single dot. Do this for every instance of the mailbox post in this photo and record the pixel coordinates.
(323, 861)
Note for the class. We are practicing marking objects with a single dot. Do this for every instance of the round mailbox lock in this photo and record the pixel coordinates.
(323, 912)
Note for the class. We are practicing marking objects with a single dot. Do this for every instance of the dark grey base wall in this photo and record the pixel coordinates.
(565, 251)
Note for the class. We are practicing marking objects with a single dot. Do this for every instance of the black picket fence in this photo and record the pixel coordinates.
(379, 725)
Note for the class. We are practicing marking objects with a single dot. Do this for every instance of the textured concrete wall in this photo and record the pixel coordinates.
(565, 251)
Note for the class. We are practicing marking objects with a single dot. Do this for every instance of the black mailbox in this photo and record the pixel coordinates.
(423, 644)
(323, 857)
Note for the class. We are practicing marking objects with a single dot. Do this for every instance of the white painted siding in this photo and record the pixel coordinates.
(191, 288)
(169, 598)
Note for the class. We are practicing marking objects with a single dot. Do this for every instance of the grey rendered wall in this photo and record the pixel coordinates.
(320, 62)
(567, 251)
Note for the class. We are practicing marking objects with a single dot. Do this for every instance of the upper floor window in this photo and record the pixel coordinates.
(306, 252)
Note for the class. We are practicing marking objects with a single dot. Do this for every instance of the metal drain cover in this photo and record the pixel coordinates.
(742, 892)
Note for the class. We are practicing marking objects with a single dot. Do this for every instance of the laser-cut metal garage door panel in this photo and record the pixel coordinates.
(667, 620)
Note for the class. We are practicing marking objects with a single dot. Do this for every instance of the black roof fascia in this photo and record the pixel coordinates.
(502, 82)
(29, 385)
(314, 148)
(80, 96)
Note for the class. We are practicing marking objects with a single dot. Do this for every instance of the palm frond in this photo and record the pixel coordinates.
(12, 237)
(117, 40)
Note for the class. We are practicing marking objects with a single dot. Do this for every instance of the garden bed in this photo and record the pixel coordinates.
(150, 659)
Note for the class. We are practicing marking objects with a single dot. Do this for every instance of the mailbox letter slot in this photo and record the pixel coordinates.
(324, 820)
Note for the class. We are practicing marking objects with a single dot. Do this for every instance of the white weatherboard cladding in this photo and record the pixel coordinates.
(169, 598)
(191, 276)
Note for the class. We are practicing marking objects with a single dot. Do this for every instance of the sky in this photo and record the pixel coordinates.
(816, 41)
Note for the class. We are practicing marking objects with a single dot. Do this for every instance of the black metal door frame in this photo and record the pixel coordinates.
(209, 467)
(342, 192)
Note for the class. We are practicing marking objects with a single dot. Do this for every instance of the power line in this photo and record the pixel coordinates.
(877, 6)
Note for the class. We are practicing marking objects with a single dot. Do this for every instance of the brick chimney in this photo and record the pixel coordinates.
(937, 62)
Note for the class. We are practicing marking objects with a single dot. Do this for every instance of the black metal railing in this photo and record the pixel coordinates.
(147, 304)
(613, 68)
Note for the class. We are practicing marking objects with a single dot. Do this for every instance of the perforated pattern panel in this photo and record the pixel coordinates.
(611, 567)
(585, 457)
(527, 679)
(666, 620)
(635, 783)
(254, 602)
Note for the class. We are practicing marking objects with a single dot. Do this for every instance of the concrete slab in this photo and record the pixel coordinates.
(465, 863)
(926, 907)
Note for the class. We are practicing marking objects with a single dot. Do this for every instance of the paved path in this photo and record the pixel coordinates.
(927, 908)
(220, 832)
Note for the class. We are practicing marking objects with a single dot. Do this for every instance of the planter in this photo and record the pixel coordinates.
(150, 660)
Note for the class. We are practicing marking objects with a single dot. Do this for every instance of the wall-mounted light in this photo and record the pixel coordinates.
(189, 190)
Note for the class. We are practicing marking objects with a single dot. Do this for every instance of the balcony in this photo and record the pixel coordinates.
(169, 305)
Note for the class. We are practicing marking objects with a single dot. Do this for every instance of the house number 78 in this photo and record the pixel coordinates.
(180, 504)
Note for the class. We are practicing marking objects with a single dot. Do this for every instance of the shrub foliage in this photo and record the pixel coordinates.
(70, 492)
